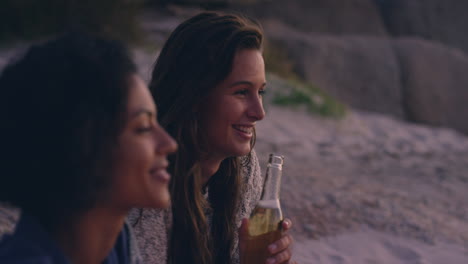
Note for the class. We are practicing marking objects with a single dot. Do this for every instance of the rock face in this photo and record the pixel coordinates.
(443, 21)
(329, 16)
(435, 83)
(408, 78)
(360, 71)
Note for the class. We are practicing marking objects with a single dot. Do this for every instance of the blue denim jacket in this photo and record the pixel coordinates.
(30, 243)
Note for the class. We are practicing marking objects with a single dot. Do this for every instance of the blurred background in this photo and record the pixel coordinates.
(367, 99)
(403, 58)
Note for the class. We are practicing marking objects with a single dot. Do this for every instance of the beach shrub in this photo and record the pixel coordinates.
(298, 94)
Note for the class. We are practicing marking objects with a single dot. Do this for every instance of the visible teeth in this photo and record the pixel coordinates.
(244, 129)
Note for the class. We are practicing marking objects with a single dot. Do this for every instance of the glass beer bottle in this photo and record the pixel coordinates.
(264, 225)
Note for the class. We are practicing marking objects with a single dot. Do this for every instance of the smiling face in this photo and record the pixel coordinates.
(229, 114)
(140, 178)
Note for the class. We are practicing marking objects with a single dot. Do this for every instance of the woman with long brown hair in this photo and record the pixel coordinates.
(208, 82)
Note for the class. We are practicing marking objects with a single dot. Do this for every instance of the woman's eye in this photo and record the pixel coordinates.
(242, 92)
(144, 129)
(262, 92)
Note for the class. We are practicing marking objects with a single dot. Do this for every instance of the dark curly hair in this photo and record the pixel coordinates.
(61, 108)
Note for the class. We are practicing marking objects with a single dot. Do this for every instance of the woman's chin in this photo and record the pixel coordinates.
(243, 152)
(162, 201)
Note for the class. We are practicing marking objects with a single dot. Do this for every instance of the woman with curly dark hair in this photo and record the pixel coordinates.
(208, 82)
(81, 146)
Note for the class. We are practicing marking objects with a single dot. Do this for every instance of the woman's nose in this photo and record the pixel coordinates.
(256, 110)
(165, 143)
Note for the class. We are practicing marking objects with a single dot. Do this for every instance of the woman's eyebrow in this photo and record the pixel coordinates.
(244, 83)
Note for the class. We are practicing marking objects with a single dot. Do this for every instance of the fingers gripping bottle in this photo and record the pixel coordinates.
(265, 221)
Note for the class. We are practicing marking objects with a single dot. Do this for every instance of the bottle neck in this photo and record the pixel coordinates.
(271, 188)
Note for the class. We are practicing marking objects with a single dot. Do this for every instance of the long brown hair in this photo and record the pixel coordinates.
(195, 59)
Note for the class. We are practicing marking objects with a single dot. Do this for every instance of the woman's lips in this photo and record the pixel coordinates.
(244, 131)
(161, 175)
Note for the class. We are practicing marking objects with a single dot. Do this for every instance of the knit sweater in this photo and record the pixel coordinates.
(152, 227)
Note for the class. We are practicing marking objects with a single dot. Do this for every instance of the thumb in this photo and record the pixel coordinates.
(243, 235)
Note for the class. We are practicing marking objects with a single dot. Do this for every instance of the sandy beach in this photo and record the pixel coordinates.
(369, 188)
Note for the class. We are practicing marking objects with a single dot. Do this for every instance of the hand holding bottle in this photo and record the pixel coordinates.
(280, 251)
(262, 237)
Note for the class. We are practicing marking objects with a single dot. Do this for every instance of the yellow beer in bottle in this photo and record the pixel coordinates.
(265, 221)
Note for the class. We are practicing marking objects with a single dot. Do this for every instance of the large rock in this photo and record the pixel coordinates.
(323, 16)
(360, 71)
(443, 21)
(435, 80)
(409, 78)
